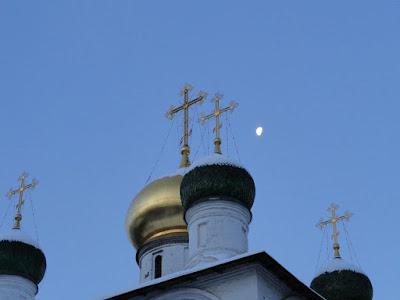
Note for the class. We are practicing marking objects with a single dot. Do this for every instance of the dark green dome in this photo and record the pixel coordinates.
(22, 259)
(217, 177)
(343, 285)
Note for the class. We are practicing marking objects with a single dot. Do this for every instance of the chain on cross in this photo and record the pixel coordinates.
(334, 219)
(20, 191)
(187, 103)
(217, 114)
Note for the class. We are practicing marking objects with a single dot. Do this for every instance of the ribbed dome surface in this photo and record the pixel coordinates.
(217, 177)
(342, 281)
(22, 259)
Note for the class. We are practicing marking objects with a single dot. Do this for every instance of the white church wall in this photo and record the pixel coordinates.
(174, 257)
(218, 229)
(271, 288)
(241, 283)
(227, 286)
(186, 294)
(16, 287)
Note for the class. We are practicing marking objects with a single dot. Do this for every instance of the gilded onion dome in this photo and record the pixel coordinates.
(156, 212)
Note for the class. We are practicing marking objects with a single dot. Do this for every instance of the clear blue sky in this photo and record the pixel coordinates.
(84, 86)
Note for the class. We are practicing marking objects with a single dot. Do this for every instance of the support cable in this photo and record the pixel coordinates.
(34, 221)
(160, 153)
(3, 219)
(326, 237)
(227, 135)
(351, 247)
(318, 265)
(234, 141)
(202, 132)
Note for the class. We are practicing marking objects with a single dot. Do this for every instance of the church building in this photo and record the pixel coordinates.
(190, 231)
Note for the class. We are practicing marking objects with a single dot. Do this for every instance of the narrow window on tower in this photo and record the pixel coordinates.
(158, 266)
(202, 235)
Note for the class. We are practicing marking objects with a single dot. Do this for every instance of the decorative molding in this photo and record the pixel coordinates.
(293, 297)
(186, 294)
(218, 230)
(220, 207)
(159, 244)
(14, 287)
(174, 257)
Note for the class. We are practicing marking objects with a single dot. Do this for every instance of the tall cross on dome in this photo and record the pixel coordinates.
(217, 114)
(20, 191)
(187, 103)
(334, 219)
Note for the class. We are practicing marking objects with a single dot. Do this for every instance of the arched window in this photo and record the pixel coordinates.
(158, 266)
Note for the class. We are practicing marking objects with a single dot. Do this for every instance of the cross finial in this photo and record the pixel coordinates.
(334, 219)
(20, 191)
(217, 114)
(187, 103)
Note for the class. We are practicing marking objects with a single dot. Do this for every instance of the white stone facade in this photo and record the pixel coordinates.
(249, 282)
(173, 259)
(218, 235)
(16, 287)
(218, 229)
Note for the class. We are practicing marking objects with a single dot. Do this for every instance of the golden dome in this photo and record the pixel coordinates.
(156, 212)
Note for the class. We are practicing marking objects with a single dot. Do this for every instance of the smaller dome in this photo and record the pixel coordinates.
(340, 280)
(217, 176)
(20, 255)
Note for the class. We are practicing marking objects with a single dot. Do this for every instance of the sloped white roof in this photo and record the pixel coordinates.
(338, 264)
(217, 268)
(19, 236)
(199, 267)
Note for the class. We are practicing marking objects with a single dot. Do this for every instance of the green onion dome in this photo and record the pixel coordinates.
(21, 256)
(340, 280)
(216, 177)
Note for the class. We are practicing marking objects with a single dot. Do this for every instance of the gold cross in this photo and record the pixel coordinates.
(334, 220)
(20, 190)
(185, 150)
(216, 114)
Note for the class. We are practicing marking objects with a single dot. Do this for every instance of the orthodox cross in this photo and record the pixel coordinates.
(20, 191)
(217, 114)
(334, 219)
(187, 103)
